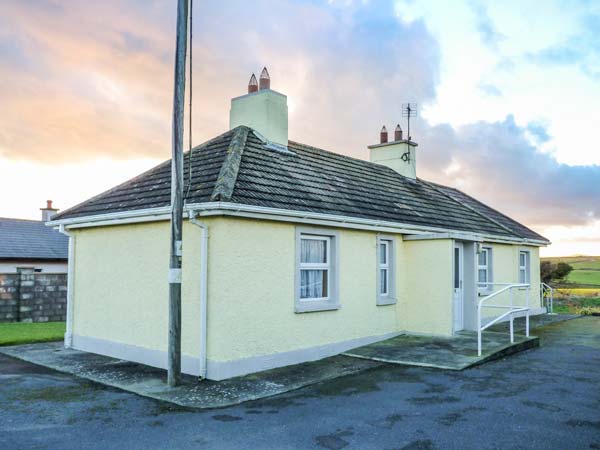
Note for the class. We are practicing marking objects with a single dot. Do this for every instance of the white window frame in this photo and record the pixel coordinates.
(389, 298)
(525, 268)
(331, 302)
(488, 267)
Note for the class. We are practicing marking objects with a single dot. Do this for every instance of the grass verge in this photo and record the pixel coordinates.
(15, 333)
(583, 306)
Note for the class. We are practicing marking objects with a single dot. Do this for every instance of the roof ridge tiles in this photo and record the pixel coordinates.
(231, 166)
(73, 209)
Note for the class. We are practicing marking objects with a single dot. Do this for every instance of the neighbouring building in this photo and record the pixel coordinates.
(33, 270)
(29, 244)
(290, 253)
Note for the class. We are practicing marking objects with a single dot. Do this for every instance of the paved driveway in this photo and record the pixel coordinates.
(546, 398)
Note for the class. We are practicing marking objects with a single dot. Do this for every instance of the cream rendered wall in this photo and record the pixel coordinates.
(505, 269)
(121, 290)
(251, 292)
(427, 287)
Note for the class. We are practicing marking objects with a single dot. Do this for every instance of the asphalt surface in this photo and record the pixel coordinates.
(545, 398)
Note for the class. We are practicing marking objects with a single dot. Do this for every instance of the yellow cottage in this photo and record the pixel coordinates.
(290, 253)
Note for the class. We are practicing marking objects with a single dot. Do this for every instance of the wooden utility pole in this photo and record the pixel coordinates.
(174, 351)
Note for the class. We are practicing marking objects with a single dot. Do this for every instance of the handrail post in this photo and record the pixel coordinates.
(479, 329)
(512, 328)
(527, 311)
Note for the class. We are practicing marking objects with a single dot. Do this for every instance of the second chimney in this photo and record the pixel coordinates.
(48, 212)
(399, 155)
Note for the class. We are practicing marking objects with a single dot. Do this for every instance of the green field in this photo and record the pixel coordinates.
(586, 269)
(26, 333)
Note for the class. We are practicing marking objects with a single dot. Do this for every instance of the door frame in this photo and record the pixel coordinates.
(458, 312)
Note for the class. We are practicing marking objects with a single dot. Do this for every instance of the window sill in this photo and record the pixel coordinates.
(384, 301)
(315, 306)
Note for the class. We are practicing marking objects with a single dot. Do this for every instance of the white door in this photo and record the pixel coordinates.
(458, 296)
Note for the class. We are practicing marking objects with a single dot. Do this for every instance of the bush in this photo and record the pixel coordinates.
(554, 272)
(588, 311)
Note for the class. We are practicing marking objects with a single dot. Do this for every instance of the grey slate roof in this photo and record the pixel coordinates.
(31, 239)
(239, 167)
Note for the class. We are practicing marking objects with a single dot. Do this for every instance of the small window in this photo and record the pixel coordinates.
(523, 266)
(316, 273)
(484, 269)
(385, 271)
(314, 267)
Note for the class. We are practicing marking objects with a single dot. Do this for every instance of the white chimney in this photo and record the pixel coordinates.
(48, 212)
(398, 155)
(263, 110)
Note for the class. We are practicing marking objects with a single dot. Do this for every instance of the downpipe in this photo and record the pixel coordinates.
(203, 290)
(70, 271)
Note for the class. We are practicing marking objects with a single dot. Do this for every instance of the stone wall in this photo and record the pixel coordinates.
(29, 296)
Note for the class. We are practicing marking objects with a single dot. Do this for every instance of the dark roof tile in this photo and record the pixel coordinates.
(31, 239)
(239, 167)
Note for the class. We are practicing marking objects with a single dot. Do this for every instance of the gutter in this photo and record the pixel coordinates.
(70, 272)
(203, 290)
(277, 214)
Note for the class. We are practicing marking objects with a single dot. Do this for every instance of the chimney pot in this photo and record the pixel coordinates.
(398, 133)
(252, 84)
(48, 211)
(383, 135)
(264, 81)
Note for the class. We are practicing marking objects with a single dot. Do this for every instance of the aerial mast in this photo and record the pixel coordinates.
(409, 110)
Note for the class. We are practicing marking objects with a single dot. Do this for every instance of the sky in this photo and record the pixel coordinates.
(508, 94)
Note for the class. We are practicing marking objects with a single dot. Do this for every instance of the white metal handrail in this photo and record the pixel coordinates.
(547, 293)
(512, 310)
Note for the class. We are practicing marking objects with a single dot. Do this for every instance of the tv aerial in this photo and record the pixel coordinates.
(409, 110)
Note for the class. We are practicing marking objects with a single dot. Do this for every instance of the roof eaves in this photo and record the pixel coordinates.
(225, 184)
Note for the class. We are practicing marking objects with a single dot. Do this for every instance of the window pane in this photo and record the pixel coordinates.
(483, 276)
(522, 276)
(483, 258)
(313, 251)
(522, 259)
(383, 253)
(383, 281)
(313, 284)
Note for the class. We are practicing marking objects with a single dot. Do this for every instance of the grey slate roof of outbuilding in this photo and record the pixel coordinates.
(31, 239)
(240, 167)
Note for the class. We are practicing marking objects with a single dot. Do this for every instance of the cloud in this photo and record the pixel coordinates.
(497, 163)
(79, 83)
(581, 49)
(485, 26)
(490, 89)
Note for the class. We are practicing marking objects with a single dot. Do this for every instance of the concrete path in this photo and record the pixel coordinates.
(453, 353)
(151, 382)
(546, 398)
(458, 352)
